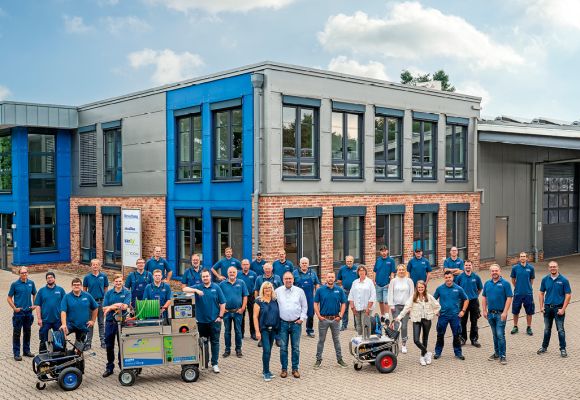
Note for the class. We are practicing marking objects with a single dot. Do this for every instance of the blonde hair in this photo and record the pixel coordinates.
(404, 268)
(117, 276)
(266, 285)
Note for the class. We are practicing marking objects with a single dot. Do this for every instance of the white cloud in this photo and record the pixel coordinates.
(169, 66)
(75, 25)
(411, 31)
(4, 92)
(474, 88)
(556, 13)
(116, 25)
(373, 69)
(218, 6)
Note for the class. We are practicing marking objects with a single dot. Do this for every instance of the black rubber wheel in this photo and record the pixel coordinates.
(358, 366)
(70, 378)
(40, 385)
(127, 377)
(386, 362)
(190, 374)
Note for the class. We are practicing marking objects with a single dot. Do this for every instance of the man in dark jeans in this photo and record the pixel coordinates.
(471, 283)
(21, 297)
(249, 277)
(555, 295)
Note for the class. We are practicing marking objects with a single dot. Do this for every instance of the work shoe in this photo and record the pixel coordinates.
(260, 343)
(460, 357)
(342, 363)
(436, 356)
(529, 331)
(422, 361)
(462, 341)
(29, 354)
(216, 369)
(428, 357)
(284, 374)
(239, 353)
(226, 354)
(503, 361)
(493, 357)
(541, 350)
(296, 374)
(107, 373)
(17, 358)
(514, 330)
(404, 349)
(563, 353)
(475, 343)
(317, 364)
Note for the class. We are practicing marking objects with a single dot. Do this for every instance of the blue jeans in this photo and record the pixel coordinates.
(237, 319)
(551, 314)
(292, 331)
(345, 315)
(498, 330)
(453, 321)
(211, 331)
(43, 333)
(111, 329)
(267, 343)
(21, 323)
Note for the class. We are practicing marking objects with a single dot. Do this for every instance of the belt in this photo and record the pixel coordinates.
(495, 311)
(329, 317)
(233, 310)
(553, 306)
(97, 300)
(292, 322)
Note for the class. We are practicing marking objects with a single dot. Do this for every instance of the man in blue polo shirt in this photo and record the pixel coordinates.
(96, 284)
(220, 268)
(453, 302)
(78, 312)
(307, 279)
(210, 307)
(21, 297)
(268, 276)
(419, 267)
(258, 264)
(138, 280)
(159, 290)
(555, 295)
(496, 300)
(158, 262)
(523, 275)
(236, 295)
(454, 263)
(192, 275)
(385, 269)
(330, 303)
(249, 278)
(47, 304)
(471, 283)
(282, 265)
(345, 277)
(116, 301)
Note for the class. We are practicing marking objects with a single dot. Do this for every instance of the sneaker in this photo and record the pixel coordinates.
(503, 361)
(268, 377)
(541, 350)
(514, 330)
(317, 364)
(226, 354)
(428, 357)
(310, 335)
(460, 357)
(436, 356)
(216, 369)
(475, 343)
(529, 331)
(563, 353)
(422, 361)
(493, 357)
(404, 349)
(342, 363)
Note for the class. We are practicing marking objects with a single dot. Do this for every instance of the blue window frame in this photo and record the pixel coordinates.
(228, 144)
(5, 161)
(189, 134)
(189, 241)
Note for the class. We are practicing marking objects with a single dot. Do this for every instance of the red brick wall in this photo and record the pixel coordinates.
(271, 222)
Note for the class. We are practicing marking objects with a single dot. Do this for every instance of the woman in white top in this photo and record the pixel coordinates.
(401, 290)
(422, 308)
(361, 299)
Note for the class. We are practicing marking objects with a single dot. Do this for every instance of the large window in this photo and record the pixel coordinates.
(88, 236)
(189, 241)
(228, 144)
(424, 149)
(457, 232)
(189, 147)
(347, 145)
(42, 190)
(5, 161)
(88, 156)
(112, 239)
(302, 239)
(348, 239)
(456, 152)
(389, 233)
(388, 147)
(299, 142)
(425, 235)
(228, 233)
(113, 156)
(560, 200)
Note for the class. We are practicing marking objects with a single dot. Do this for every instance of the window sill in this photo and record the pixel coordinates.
(113, 184)
(346, 179)
(5, 192)
(43, 251)
(228, 180)
(449, 180)
(182, 181)
(301, 178)
(389, 180)
(425, 180)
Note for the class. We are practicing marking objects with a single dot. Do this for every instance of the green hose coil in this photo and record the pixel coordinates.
(147, 309)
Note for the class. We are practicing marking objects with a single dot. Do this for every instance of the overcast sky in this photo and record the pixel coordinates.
(521, 56)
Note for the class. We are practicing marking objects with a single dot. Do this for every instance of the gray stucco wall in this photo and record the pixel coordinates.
(279, 83)
(144, 146)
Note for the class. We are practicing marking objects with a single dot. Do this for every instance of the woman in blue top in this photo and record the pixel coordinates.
(267, 323)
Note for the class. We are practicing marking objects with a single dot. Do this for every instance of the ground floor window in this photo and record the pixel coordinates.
(228, 233)
(425, 235)
(302, 239)
(88, 236)
(112, 239)
(42, 227)
(457, 232)
(348, 239)
(189, 241)
(389, 233)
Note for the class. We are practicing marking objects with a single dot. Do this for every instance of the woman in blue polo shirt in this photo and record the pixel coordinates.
(267, 324)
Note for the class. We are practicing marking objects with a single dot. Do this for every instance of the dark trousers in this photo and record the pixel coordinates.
(267, 343)
(345, 315)
(43, 333)
(551, 315)
(250, 311)
(211, 331)
(310, 324)
(421, 327)
(442, 323)
(472, 313)
(81, 335)
(22, 325)
(111, 335)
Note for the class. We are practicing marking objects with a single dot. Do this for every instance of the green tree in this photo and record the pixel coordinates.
(440, 75)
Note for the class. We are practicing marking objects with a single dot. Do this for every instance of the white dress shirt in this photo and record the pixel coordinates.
(292, 303)
(362, 293)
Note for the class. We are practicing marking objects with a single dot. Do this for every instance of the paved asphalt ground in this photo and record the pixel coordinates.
(527, 375)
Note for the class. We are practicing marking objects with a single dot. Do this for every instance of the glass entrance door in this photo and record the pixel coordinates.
(6, 241)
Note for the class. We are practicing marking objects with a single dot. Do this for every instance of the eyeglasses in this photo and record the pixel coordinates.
(24, 273)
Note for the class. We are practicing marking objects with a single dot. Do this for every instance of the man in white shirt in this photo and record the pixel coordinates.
(293, 312)
(361, 299)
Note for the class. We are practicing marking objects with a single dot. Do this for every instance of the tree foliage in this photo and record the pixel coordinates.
(440, 75)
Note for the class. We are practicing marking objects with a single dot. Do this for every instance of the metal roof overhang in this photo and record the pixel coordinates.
(37, 115)
(531, 140)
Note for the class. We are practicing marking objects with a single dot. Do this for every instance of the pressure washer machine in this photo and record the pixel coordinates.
(151, 340)
(380, 348)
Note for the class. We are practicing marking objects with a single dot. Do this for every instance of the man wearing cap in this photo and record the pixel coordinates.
(419, 267)
(249, 278)
(258, 264)
(385, 269)
(96, 284)
(192, 275)
(282, 265)
(220, 268)
(158, 262)
(138, 280)
(47, 304)
(345, 277)
(454, 263)
(21, 297)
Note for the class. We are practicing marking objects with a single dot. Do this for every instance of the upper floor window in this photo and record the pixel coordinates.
(456, 152)
(424, 149)
(113, 156)
(228, 144)
(388, 147)
(5, 162)
(347, 131)
(300, 142)
(88, 156)
(189, 147)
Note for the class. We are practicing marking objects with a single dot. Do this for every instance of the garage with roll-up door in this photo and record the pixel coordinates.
(560, 206)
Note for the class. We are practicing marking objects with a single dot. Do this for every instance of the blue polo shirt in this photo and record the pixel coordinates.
(112, 297)
(281, 268)
(137, 283)
(497, 293)
(451, 299)
(347, 276)
(471, 284)
(330, 299)
(418, 269)
(274, 280)
(523, 276)
(78, 309)
(191, 277)
(224, 264)
(384, 267)
(258, 267)
(96, 285)
(161, 293)
(555, 289)
(234, 293)
(22, 293)
(49, 301)
(161, 264)
(207, 307)
(249, 279)
(450, 263)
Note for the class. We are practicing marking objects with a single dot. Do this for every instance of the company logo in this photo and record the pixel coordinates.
(130, 241)
(130, 228)
(130, 216)
(143, 346)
